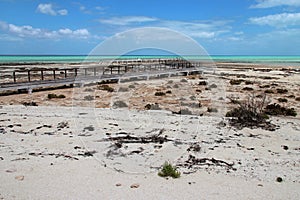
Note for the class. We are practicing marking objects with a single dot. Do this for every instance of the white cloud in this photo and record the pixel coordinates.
(48, 9)
(128, 20)
(62, 12)
(206, 30)
(275, 3)
(31, 32)
(278, 20)
(197, 29)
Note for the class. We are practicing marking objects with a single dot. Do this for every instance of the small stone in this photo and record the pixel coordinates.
(118, 184)
(285, 147)
(260, 185)
(19, 178)
(279, 179)
(11, 170)
(135, 185)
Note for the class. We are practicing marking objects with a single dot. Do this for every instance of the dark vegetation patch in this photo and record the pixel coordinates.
(236, 81)
(276, 109)
(105, 88)
(159, 93)
(120, 104)
(55, 96)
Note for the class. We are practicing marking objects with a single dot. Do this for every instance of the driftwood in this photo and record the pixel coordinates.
(193, 162)
(135, 139)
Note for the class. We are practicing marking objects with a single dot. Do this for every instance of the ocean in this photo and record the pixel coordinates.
(272, 60)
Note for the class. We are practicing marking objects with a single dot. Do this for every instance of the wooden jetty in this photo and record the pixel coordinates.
(41, 77)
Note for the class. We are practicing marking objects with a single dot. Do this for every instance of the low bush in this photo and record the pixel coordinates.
(169, 170)
(89, 98)
(152, 107)
(120, 104)
(282, 100)
(159, 93)
(282, 91)
(212, 110)
(250, 113)
(54, 96)
(248, 89)
(235, 81)
(276, 109)
(202, 83)
(269, 91)
(105, 88)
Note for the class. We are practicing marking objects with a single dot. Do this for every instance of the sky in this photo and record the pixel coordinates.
(221, 27)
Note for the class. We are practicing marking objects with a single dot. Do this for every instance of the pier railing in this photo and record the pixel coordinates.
(45, 77)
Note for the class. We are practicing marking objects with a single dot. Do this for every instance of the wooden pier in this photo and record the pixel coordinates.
(38, 77)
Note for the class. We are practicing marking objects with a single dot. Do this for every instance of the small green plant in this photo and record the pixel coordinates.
(169, 170)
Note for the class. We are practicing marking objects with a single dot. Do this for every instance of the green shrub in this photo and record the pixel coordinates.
(169, 170)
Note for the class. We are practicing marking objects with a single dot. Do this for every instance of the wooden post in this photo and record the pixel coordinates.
(28, 75)
(94, 71)
(75, 72)
(85, 71)
(42, 74)
(54, 74)
(14, 75)
(111, 70)
(65, 73)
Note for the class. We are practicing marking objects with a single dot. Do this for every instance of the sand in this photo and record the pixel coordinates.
(64, 148)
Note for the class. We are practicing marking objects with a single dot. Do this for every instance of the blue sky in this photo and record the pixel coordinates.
(222, 27)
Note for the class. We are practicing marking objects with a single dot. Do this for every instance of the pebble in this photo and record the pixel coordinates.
(135, 185)
(118, 184)
(19, 178)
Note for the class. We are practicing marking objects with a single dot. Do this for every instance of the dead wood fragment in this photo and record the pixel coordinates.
(193, 162)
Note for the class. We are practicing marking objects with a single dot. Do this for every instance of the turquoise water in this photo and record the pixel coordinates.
(285, 60)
